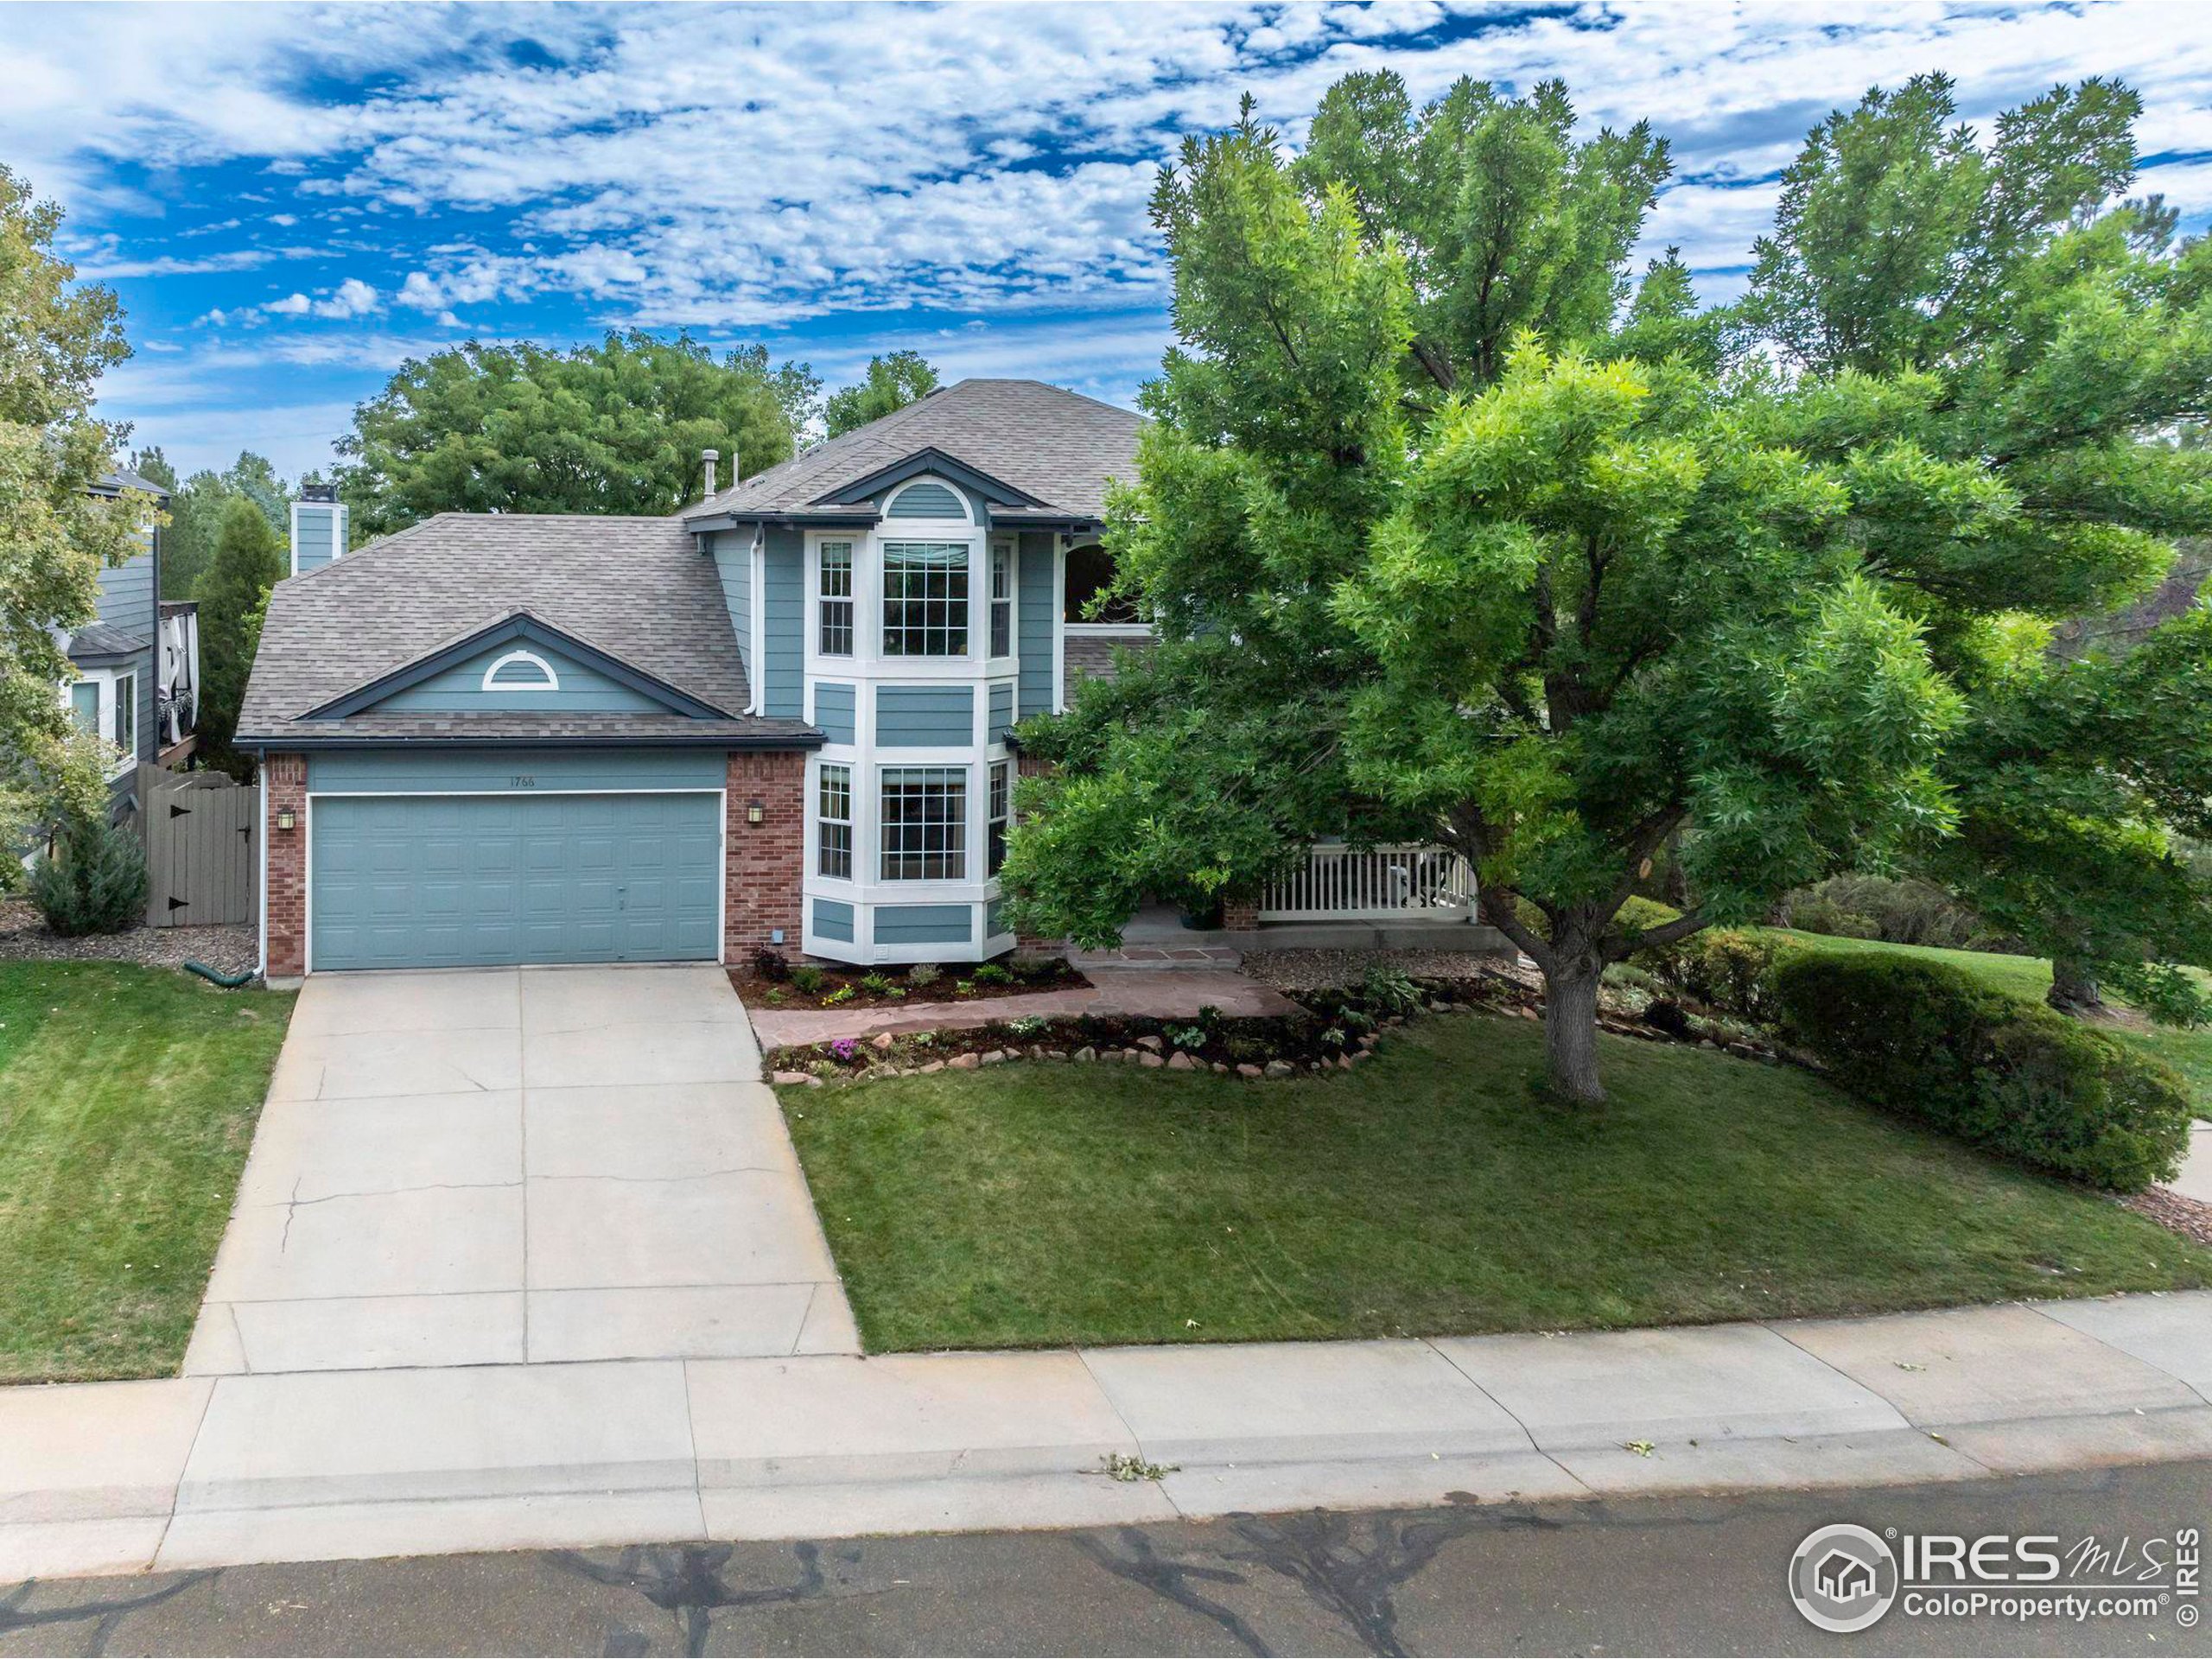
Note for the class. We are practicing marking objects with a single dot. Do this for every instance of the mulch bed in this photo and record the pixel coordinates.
(2174, 1212)
(888, 986)
(24, 937)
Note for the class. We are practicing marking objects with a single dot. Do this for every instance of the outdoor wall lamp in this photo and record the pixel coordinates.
(285, 820)
(755, 813)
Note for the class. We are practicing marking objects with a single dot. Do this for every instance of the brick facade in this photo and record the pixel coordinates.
(284, 789)
(767, 861)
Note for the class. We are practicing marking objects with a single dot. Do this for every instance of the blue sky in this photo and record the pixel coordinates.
(293, 200)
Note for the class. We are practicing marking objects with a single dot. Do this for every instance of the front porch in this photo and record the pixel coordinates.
(1403, 898)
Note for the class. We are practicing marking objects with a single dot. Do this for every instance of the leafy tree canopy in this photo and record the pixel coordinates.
(57, 337)
(1441, 516)
(1995, 315)
(611, 428)
(893, 382)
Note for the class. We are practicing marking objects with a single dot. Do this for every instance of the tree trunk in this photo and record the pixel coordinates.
(1571, 1031)
(2073, 987)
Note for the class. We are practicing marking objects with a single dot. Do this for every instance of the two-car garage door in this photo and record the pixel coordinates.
(467, 881)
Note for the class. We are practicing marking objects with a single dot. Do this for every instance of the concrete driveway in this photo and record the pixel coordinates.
(513, 1165)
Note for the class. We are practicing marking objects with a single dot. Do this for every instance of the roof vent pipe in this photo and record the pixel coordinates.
(708, 458)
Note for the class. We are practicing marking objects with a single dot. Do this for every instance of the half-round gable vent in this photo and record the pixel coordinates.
(521, 671)
(927, 499)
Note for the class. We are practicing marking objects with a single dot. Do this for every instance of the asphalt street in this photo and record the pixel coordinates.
(1675, 1575)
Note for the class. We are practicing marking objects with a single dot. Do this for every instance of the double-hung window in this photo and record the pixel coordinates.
(834, 570)
(924, 823)
(995, 843)
(833, 821)
(925, 599)
(1001, 600)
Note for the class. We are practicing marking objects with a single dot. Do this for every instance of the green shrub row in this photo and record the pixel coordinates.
(1924, 1039)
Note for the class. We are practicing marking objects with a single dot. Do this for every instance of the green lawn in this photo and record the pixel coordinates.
(2189, 1052)
(1427, 1192)
(128, 1097)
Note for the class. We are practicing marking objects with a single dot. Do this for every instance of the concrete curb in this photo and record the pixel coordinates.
(117, 1478)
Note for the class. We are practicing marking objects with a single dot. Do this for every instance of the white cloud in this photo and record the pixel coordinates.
(292, 305)
(747, 166)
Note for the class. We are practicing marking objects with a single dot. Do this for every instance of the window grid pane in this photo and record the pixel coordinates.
(126, 713)
(1001, 601)
(834, 823)
(924, 823)
(925, 599)
(995, 847)
(836, 582)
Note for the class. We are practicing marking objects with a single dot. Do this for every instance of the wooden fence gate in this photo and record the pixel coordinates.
(200, 850)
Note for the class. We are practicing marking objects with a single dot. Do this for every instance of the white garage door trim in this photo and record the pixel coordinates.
(306, 848)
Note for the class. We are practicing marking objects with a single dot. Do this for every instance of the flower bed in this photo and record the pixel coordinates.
(1333, 1030)
(773, 983)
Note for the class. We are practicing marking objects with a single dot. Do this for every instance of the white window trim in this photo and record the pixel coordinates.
(551, 681)
(103, 679)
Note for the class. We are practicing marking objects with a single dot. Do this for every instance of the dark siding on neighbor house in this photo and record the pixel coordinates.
(129, 599)
(783, 668)
(924, 716)
(1038, 601)
(1091, 656)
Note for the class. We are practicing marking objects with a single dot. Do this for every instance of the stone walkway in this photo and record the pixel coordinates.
(196, 1471)
(503, 1166)
(1151, 995)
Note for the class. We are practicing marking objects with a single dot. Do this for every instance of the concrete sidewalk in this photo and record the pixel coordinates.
(199, 1472)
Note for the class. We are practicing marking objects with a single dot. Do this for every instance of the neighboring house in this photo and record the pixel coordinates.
(121, 659)
(776, 719)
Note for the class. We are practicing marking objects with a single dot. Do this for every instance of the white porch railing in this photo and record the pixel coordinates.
(1338, 884)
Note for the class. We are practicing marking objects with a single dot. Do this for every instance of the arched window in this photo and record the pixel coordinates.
(925, 498)
(521, 671)
(1090, 571)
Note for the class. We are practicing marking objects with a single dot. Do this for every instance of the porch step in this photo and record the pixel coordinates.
(1200, 958)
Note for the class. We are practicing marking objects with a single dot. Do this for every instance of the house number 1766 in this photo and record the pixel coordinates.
(522, 780)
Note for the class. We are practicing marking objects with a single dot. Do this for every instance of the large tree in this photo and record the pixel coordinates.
(249, 560)
(196, 509)
(615, 427)
(56, 339)
(2047, 341)
(892, 382)
(1547, 608)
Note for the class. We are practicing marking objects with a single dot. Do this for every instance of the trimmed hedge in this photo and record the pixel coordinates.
(1725, 971)
(1924, 1039)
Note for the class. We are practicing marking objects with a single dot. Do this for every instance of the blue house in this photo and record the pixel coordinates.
(778, 720)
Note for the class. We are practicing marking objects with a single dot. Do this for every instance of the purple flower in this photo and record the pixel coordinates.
(844, 1048)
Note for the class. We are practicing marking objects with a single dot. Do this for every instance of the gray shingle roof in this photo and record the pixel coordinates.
(123, 478)
(636, 589)
(104, 639)
(1056, 445)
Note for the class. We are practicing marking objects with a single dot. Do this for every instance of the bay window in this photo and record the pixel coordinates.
(834, 567)
(833, 820)
(924, 823)
(1001, 600)
(126, 714)
(925, 599)
(995, 842)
